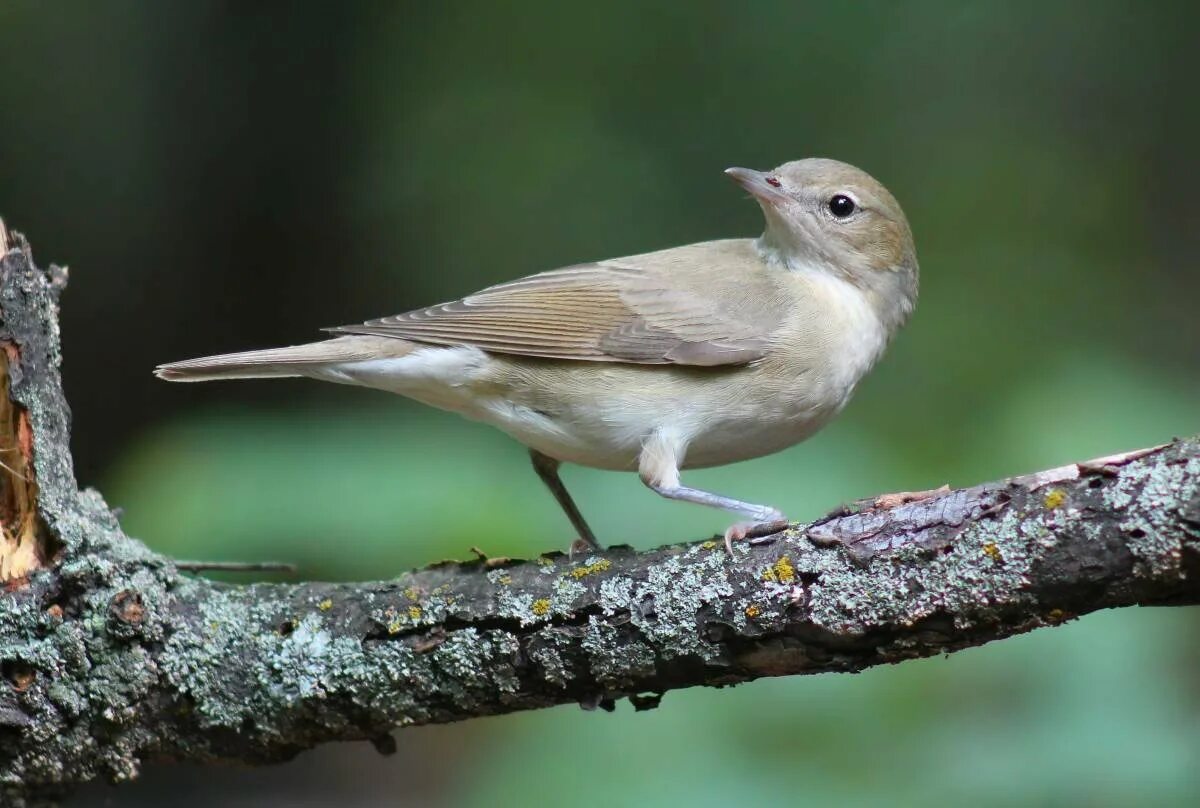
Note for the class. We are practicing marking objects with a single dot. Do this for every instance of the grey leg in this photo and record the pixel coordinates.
(547, 468)
(757, 513)
(658, 466)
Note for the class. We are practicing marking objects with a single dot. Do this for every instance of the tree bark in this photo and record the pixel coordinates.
(111, 655)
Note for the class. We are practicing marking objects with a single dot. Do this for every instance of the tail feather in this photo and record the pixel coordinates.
(296, 360)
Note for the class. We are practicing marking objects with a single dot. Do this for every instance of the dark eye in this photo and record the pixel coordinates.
(841, 206)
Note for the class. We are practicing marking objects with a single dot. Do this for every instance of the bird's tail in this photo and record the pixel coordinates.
(281, 363)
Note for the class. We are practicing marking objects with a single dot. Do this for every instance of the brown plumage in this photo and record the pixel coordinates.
(697, 355)
(685, 310)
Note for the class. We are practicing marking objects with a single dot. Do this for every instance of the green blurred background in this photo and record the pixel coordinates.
(225, 175)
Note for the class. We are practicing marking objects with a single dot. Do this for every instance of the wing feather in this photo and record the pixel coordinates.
(602, 312)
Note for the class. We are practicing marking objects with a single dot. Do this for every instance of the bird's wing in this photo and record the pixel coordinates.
(603, 312)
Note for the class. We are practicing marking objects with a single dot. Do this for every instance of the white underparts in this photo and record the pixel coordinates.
(438, 376)
(660, 458)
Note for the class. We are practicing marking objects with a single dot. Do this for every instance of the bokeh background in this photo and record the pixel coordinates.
(223, 175)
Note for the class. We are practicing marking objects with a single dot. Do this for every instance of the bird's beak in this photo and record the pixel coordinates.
(760, 185)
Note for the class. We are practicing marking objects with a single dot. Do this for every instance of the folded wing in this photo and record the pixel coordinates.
(603, 312)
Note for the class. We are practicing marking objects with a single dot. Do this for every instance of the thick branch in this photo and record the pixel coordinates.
(113, 656)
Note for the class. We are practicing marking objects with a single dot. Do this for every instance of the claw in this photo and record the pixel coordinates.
(738, 532)
(581, 546)
(753, 530)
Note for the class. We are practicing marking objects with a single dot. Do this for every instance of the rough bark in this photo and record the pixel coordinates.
(111, 655)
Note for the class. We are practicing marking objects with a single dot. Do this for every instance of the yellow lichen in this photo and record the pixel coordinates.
(542, 561)
(1054, 498)
(781, 572)
(412, 593)
(505, 580)
(394, 627)
(590, 569)
(710, 545)
(414, 612)
(1056, 616)
(325, 605)
(541, 607)
(991, 551)
(753, 611)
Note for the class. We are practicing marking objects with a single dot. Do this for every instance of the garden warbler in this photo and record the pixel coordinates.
(688, 357)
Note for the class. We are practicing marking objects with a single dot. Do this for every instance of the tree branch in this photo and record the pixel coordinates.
(112, 655)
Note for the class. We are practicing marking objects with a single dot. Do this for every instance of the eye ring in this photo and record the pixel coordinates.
(841, 206)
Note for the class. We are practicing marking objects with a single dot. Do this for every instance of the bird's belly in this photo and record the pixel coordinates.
(602, 433)
(732, 440)
(589, 438)
(726, 417)
(600, 415)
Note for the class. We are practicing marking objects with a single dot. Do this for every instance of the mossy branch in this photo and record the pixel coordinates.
(111, 655)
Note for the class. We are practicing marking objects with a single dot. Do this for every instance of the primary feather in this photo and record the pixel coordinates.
(283, 363)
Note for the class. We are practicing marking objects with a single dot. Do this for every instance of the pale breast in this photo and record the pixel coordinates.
(831, 342)
(838, 333)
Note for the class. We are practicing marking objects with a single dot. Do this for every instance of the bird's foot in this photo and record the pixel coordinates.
(582, 546)
(770, 523)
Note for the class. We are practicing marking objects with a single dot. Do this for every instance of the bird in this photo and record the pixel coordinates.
(689, 357)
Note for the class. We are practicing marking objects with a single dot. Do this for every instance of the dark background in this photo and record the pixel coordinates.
(222, 176)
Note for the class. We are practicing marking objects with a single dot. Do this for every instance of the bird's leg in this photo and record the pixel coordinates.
(658, 466)
(547, 468)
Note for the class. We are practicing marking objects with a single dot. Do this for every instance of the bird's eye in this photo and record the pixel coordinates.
(841, 206)
(774, 182)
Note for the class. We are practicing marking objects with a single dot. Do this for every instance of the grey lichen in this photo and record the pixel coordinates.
(1153, 491)
(616, 664)
(664, 603)
(987, 565)
(547, 650)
